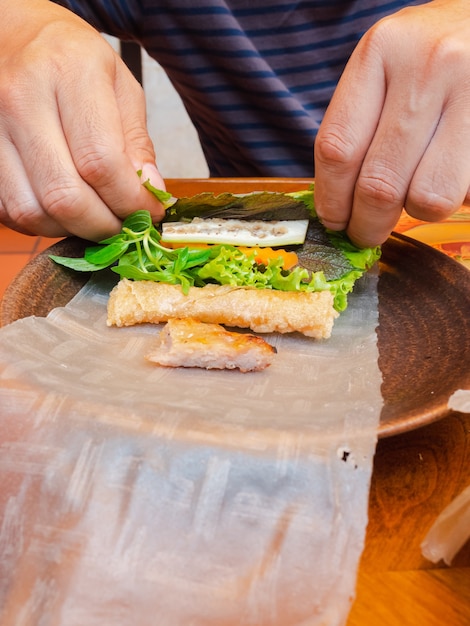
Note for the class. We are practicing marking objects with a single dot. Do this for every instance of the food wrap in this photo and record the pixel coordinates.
(138, 495)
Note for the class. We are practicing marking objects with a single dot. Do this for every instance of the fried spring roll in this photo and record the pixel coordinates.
(261, 310)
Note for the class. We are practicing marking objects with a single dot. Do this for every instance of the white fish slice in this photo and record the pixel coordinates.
(236, 232)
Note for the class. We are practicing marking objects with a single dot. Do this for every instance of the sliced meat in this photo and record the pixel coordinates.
(189, 343)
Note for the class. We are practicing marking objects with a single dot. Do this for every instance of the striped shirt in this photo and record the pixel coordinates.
(255, 75)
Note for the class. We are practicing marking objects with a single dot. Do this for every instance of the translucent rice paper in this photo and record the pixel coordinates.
(138, 495)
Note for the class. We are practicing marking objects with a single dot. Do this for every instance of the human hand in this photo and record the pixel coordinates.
(72, 127)
(397, 131)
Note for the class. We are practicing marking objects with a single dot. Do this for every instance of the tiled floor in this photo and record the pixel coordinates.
(15, 252)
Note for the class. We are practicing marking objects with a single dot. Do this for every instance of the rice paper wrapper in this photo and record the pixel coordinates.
(139, 495)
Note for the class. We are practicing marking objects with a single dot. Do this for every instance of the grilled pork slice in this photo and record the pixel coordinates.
(189, 343)
(261, 310)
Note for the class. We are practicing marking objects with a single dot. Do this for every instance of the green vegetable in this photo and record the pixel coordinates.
(264, 205)
(328, 260)
(140, 256)
(165, 198)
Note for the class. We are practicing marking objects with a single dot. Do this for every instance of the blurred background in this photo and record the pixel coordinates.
(179, 153)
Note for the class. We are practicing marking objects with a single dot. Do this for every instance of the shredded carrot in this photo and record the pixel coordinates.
(262, 255)
(178, 244)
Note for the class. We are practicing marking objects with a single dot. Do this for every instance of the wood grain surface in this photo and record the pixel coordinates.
(416, 475)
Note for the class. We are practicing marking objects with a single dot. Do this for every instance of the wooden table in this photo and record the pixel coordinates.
(416, 474)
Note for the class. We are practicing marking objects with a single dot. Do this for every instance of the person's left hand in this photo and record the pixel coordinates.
(397, 131)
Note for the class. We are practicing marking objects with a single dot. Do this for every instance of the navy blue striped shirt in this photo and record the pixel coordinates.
(255, 75)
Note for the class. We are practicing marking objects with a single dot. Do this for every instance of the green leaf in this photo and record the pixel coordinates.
(114, 239)
(264, 205)
(316, 257)
(164, 197)
(180, 261)
(307, 196)
(106, 255)
(79, 265)
(232, 267)
(131, 271)
(165, 276)
(198, 257)
(137, 222)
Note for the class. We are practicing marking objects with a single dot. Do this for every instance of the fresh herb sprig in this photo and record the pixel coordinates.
(139, 255)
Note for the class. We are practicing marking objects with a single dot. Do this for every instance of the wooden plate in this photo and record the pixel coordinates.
(423, 333)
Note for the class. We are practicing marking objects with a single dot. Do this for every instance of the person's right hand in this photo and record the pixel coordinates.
(396, 133)
(72, 127)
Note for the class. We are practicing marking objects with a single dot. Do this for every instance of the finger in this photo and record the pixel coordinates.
(441, 183)
(377, 172)
(6, 221)
(19, 207)
(55, 131)
(345, 135)
(109, 142)
(403, 135)
(62, 195)
(139, 146)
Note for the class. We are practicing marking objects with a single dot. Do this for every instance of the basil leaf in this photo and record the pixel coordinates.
(106, 255)
(137, 222)
(79, 265)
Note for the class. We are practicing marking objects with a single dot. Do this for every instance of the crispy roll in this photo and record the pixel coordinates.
(261, 310)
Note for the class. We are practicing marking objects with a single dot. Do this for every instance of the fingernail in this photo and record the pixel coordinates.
(150, 173)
